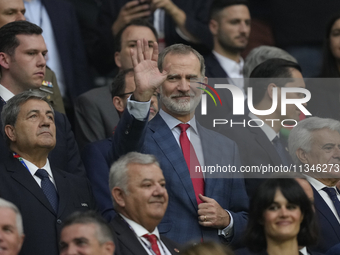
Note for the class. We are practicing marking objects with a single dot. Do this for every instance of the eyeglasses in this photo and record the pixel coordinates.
(124, 94)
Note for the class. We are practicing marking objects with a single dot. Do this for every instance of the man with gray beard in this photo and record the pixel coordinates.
(202, 205)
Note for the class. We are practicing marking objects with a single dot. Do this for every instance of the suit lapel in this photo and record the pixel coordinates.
(264, 142)
(323, 209)
(173, 250)
(62, 189)
(19, 173)
(127, 237)
(215, 69)
(164, 138)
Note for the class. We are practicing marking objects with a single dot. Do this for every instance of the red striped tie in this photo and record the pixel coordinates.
(153, 240)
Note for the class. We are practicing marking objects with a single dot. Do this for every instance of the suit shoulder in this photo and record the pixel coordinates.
(217, 136)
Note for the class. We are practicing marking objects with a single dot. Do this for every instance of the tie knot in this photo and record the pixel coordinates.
(151, 238)
(183, 127)
(41, 173)
(330, 191)
(276, 140)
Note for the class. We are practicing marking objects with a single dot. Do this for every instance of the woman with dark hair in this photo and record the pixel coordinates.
(281, 219)
(325, 92)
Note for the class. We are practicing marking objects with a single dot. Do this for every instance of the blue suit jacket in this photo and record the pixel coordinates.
(70, 46)
(329, 226)
(180, 222)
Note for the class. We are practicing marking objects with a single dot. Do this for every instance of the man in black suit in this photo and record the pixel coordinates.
(23, 65)
(258, 136)
(86, 233)
(44, 194)
(140, 199)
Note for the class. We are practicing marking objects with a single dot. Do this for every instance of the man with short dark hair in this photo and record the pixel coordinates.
(230, 26)
(314, 145)
(94, 155)
(95, 112)
(45, 194)
(260, 142)
(140, 199)
(86, 233)
(23, 65)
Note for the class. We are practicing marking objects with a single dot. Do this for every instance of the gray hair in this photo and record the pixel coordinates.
(103, 231)
(260, 54)
(180, 49)
(301, 135)
(119, 170)
(6, 204)
(11, 109)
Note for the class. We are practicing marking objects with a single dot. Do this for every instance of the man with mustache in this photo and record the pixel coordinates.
(45, 194)
(202, 206)
(140, 199)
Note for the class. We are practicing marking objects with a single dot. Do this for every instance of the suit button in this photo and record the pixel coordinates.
(59, 221)
(126, 132)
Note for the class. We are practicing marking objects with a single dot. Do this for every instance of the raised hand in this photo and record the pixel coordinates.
(147, 75)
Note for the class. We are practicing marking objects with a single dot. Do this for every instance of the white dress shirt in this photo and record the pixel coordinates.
(5, 93)
(319, 186)
(233, 69)
(140, 231)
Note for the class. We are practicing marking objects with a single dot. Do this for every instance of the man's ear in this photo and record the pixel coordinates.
(118, 103)
(117, 59)
(270, 89)
(119, 196)
(4, 60)
(109, 247)
(10, 132)
(213, 26)
(302, 155)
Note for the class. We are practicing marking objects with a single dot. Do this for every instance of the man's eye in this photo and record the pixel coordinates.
(132, 45)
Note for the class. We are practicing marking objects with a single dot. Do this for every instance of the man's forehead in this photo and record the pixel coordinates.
(33, 41)
(325, 135)
(11, 4)
(134, 33)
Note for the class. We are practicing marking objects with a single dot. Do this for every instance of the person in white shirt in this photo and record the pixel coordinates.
(230, 27)
(314, 145)
(140, 199)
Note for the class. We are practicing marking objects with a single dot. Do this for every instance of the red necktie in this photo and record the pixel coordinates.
(153, 240)
(192, 161)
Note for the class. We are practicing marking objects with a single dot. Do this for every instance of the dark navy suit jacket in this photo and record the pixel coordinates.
(70, 46)
(180, 222)
(42, 225)
(329, 226)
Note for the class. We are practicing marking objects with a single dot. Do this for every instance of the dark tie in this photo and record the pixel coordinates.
(153, 241)
(48, 188)
(333, 196)
(281, 151)
(192, 161)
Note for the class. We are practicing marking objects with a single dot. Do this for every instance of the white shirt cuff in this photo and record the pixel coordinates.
(228, 231)
(139, 110)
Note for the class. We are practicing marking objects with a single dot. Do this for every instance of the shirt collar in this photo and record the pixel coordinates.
(33, 168)
(229, 65)
(172, 122)
(317, 184)
(270, 133)
(140, 230)
(5, 93)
